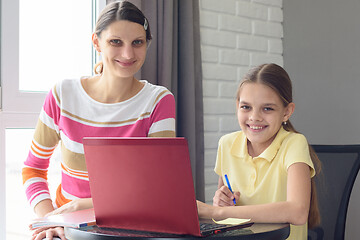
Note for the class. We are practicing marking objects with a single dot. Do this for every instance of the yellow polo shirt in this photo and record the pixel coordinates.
(262, 179)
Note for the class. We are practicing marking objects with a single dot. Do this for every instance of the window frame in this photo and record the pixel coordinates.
(18, 109)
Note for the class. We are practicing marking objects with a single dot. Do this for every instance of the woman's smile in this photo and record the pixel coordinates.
(126, 63)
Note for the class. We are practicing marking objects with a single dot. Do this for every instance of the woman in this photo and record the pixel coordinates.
(111, 103)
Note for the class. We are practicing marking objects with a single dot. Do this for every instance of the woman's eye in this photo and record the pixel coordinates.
(115, 42)
(267, 109)
(138, 42)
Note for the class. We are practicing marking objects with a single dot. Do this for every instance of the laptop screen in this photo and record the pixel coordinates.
(142, 184)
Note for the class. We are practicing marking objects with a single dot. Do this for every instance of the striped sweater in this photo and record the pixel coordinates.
(69, 114)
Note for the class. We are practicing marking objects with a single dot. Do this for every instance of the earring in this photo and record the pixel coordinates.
(284, 122)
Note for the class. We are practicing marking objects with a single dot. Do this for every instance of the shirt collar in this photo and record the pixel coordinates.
(239, 146)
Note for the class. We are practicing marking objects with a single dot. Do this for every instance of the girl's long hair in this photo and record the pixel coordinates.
(277, 79)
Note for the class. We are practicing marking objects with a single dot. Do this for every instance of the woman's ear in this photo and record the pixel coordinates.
(289, 109)
(95, 41)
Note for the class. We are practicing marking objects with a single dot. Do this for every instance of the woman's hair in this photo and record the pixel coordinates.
(116, 11)
(277, 79)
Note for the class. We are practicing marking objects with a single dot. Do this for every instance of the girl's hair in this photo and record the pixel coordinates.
(277, 79)
(116, 11)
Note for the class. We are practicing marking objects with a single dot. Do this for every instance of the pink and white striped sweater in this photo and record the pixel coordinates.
(69, 114)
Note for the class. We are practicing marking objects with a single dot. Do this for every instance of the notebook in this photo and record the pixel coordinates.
(144, 184)
(78, 219)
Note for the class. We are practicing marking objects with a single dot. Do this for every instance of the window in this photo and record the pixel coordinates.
(42, 41)
(17, 227)
(54, 44)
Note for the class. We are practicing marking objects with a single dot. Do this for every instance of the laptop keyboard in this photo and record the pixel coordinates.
(210, 226)
(127, 233)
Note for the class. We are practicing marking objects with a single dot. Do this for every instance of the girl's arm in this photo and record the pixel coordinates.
(294, 210)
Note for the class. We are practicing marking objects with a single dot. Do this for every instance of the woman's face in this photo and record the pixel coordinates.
(123, 48)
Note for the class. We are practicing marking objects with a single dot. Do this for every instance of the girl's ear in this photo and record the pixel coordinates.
(289, 111)
(95, 41)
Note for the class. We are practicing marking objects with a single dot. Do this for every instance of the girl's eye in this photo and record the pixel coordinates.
(115, 42)
(138, 43)
(245, 107)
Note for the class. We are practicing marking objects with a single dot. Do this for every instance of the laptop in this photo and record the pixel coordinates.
(145, 184)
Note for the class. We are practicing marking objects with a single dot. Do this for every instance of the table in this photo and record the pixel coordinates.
(256, 231)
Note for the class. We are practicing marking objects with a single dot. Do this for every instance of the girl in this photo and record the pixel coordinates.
(111, 103)
(270, 165)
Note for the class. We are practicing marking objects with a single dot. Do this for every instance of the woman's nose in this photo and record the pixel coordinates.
(128, 52)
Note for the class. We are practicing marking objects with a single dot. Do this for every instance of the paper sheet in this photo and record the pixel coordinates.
(232, 221)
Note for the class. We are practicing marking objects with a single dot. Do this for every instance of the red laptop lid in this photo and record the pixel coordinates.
(142, 184)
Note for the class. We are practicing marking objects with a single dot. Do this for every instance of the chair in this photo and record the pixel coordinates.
(340, 166)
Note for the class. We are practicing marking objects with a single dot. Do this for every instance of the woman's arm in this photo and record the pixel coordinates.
(294, 210)
(43, 208)
(35, 168)
(163, 116)
(74, 205)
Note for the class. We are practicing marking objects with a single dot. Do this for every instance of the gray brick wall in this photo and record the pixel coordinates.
(235, 35)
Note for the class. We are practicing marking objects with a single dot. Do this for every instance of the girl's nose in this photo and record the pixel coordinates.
(255, 116)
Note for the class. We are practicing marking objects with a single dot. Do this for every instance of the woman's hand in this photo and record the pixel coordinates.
(48, 233)
(224, 197)
(74, 205)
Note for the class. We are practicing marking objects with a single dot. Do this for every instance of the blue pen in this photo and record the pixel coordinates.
(228, 183)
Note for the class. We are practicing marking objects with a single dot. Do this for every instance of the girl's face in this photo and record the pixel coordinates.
(123, 48)
(261, 113)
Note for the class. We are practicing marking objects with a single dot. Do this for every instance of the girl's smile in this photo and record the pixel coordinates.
(256, 128)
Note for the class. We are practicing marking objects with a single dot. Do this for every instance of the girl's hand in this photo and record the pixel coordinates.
(204, 210)
(48, 233)
(224, 197)
(74, 205)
